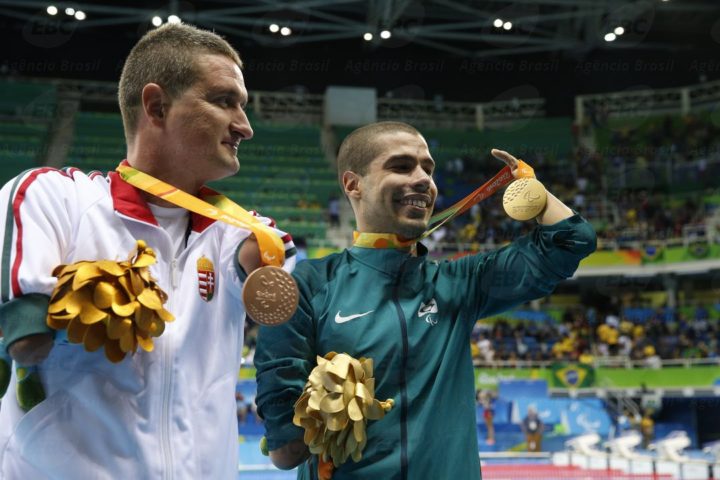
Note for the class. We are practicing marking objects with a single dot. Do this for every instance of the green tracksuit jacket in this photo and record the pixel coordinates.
(413, 317)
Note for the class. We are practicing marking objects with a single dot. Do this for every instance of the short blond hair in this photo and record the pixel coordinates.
(361, 146)
(167, 56)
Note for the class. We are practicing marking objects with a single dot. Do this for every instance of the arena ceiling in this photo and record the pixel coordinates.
(437, 47)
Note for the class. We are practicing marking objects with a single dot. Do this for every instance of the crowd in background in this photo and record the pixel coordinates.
(641, 334)
(624, 190)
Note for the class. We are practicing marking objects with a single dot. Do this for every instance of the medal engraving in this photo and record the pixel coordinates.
(270, 296)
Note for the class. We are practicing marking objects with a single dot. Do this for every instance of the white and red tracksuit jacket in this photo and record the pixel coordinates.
(166, 414)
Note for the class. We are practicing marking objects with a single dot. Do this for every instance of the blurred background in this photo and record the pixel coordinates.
(616, 104)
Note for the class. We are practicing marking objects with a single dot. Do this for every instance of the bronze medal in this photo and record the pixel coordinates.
(270, 295)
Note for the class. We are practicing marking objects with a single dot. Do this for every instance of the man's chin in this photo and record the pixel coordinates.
(412, 230)
(227, 169)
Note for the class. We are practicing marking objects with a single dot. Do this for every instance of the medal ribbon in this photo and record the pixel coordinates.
(217, 207)
(390, 240)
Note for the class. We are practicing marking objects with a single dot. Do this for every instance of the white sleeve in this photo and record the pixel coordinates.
(36, 210)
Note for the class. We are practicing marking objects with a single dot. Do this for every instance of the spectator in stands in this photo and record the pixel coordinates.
(437, 237)
(563, 349)
(647, 428)
(532, 426)
(334, 211)
(608, 335)
(622, 422)
(384, 299)
(701, 313)
(625, 344)
(160, 413)
(241, 407)
(669, 334)
(487, 399)
(456, 166)
(585, 357)
(520, 347)
(652, 360)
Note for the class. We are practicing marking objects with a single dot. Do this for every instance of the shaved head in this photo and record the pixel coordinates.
(363, 145)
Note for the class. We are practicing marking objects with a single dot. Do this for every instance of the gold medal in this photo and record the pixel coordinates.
(524, 199)
(270, 295)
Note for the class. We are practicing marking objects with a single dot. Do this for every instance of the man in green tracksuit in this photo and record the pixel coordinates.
(411, 315)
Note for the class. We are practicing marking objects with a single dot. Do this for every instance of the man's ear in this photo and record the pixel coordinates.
(351, 184)
(154, 100)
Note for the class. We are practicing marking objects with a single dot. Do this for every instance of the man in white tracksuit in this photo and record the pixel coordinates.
(169, 413)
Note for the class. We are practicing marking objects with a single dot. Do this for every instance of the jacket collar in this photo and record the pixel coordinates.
(389, 260)
(129, 201)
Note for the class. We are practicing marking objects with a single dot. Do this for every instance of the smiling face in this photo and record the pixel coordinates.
(397, 193)
(206, 123)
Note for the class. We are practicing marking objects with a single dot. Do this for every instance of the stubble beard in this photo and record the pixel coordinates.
(412, 230)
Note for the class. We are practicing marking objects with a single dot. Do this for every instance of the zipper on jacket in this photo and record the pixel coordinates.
(173, 274)
(167, 374)
(167, 463)
(403, 377)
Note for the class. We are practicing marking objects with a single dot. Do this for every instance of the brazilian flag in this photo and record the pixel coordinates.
(652, 253)
(699, 249)
(573, 375)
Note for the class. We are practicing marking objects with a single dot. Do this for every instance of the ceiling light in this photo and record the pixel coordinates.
(619, 30)
(610, 37)
(70, 11)
(173, 19)
(385, 34)
(52, 10)
(80, 15)
(368, 36)
(507, 25)
(498, 23)
(285, 31)
(157, 21)
(274, 28)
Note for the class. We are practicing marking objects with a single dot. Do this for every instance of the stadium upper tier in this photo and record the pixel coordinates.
(283, 172)
(637, 179)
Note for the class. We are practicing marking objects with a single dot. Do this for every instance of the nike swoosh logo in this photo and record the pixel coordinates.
(340, 319)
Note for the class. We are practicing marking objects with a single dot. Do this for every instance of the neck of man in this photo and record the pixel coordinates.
(162, 170)
(157, 201)
(148, 152)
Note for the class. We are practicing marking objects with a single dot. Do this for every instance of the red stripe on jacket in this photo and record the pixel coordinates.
(19, 197)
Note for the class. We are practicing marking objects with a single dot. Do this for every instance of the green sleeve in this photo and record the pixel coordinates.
(23, 316)
(532, 265)
(284, 358)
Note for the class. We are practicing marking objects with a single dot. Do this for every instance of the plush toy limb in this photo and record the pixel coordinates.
(29, 390)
